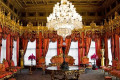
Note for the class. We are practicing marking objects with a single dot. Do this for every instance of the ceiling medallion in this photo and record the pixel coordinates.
(64, 18)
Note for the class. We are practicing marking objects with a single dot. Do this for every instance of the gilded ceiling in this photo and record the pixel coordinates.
(28, 3)
(36, 11)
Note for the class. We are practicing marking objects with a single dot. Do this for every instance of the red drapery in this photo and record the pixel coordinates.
(24, 45)
(8, 48)
(45, 46)
(68, 43)
(81, 48)
(83, 45)
(18, 51)
(88, 43)
(39, 47)
(37, 50)
(0, 40)
(79, 54)
(97, 50)
(11, 47)
(59, 45)
(112, 47)
(117, 47)
(106, 50)
(40, 44)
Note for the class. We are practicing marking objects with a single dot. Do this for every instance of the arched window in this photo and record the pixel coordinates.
(52, 51)
(31, 49)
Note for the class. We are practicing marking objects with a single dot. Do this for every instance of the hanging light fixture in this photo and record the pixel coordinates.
(64, 19)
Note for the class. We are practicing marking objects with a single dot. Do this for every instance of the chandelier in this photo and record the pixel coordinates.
(64, 18)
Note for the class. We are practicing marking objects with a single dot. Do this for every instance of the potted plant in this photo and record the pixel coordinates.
(94, 57)
(31, 57)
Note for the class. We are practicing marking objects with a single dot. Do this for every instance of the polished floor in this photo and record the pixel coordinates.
(37, 75)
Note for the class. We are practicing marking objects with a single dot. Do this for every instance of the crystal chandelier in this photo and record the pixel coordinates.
(64, 18)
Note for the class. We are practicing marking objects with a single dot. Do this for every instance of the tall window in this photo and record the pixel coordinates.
(109, 52)
(74, 51)
(3, 50)
(52, 51)
(31, 49)
(91, 51)
(14, 55)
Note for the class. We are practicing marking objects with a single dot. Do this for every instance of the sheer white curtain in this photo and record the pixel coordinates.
(109, 52)
(3, 50)
(31, 49)
(14, 55)
(91, 51)
(52, 51)
(74, 51)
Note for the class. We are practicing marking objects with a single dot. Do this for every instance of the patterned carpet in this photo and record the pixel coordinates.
(38, 75)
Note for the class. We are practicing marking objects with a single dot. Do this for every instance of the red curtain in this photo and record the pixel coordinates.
(79, 54)
(8, 48)
(0, 40)
(59, 45)
(40, 44)
(81, 48)
(45, 46)
(18, 51)
(68, 43)
(24, 45)
(97, 50)
(112, 47)
(37, 50)
(11, 47)
(88, 43)
(83, 45)
(106, 50)
(117, 47)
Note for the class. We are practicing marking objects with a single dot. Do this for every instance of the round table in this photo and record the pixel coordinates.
(75, 71)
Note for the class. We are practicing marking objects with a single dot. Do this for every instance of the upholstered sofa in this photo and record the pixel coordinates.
(109, 68)
(58, 60)
(10, 67)
(3, 73)
(116, 71)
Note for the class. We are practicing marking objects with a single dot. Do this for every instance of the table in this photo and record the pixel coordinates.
(73, 71)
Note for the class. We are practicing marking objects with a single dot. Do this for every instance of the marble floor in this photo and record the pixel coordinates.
(37, 75)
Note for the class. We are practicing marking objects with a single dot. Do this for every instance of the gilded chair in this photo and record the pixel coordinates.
(86, 63)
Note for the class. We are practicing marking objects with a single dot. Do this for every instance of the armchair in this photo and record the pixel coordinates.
(86, 63)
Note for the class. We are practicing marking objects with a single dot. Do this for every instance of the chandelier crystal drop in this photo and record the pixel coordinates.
(64, 18)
